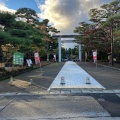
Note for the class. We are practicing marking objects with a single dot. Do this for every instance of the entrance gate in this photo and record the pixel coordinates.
(59, 37)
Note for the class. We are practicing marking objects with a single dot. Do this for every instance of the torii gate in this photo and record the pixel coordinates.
(59, 45)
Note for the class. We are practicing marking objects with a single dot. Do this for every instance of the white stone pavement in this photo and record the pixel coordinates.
(75, 78)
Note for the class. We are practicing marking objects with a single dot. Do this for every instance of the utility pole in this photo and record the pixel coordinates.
(47, 51)
(112, 45)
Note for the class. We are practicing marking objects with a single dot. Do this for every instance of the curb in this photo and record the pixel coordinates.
(109, 67)
(21, 72)
(62, 92)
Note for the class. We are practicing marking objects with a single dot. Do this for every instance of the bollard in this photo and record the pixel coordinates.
(62, 82)
(87, 80)
(31, 81)
(11, 78)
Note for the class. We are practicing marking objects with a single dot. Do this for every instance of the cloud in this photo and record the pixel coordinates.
(3, 7)
(66, 14)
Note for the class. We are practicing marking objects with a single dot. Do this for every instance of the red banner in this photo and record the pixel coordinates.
(95, 55)
(37, 58)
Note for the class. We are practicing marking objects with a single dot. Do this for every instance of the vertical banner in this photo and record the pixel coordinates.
(37, 58)
(95, 55)
(54, 57)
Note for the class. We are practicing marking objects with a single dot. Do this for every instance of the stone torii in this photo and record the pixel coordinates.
(59, 37)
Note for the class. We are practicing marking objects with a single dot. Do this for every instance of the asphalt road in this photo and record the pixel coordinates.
(24, 104)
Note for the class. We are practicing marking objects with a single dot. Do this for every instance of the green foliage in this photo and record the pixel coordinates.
(21, 25)
(4, 36)
(26, 36)
(98, 35)
(6, 19)
(27, 13)
(63, 51)
(19, 33)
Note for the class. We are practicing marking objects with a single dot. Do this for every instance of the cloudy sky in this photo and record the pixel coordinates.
(65, 15)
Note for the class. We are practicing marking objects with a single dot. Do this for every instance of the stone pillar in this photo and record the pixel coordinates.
(59, 49)
(79, 52)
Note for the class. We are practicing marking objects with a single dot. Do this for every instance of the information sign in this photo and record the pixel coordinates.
(18, 58)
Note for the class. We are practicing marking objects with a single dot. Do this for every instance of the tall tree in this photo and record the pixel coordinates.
(27, 14)
(5, 21)
(51, 44)
(98, 34)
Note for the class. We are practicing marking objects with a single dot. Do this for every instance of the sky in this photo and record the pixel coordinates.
(64, 15)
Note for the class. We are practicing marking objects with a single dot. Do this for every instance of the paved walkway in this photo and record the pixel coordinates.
(72, 76)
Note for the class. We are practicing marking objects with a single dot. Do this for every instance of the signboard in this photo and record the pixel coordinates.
(37, 58)
(18, 58)
(29, 62)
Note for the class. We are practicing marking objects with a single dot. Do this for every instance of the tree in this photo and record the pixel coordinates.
(112, 24)
(26, 36)
(3, 37)
(27, 14)
(6, 19)
(97, 35)
(21, 35)
(86, 35)
(51, 44)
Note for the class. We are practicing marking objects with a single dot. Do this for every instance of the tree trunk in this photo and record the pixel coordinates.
(1, 54)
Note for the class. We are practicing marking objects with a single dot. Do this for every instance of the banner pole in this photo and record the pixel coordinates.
(40, 66)
(95, 57)
(96, 63)
(85, 57)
